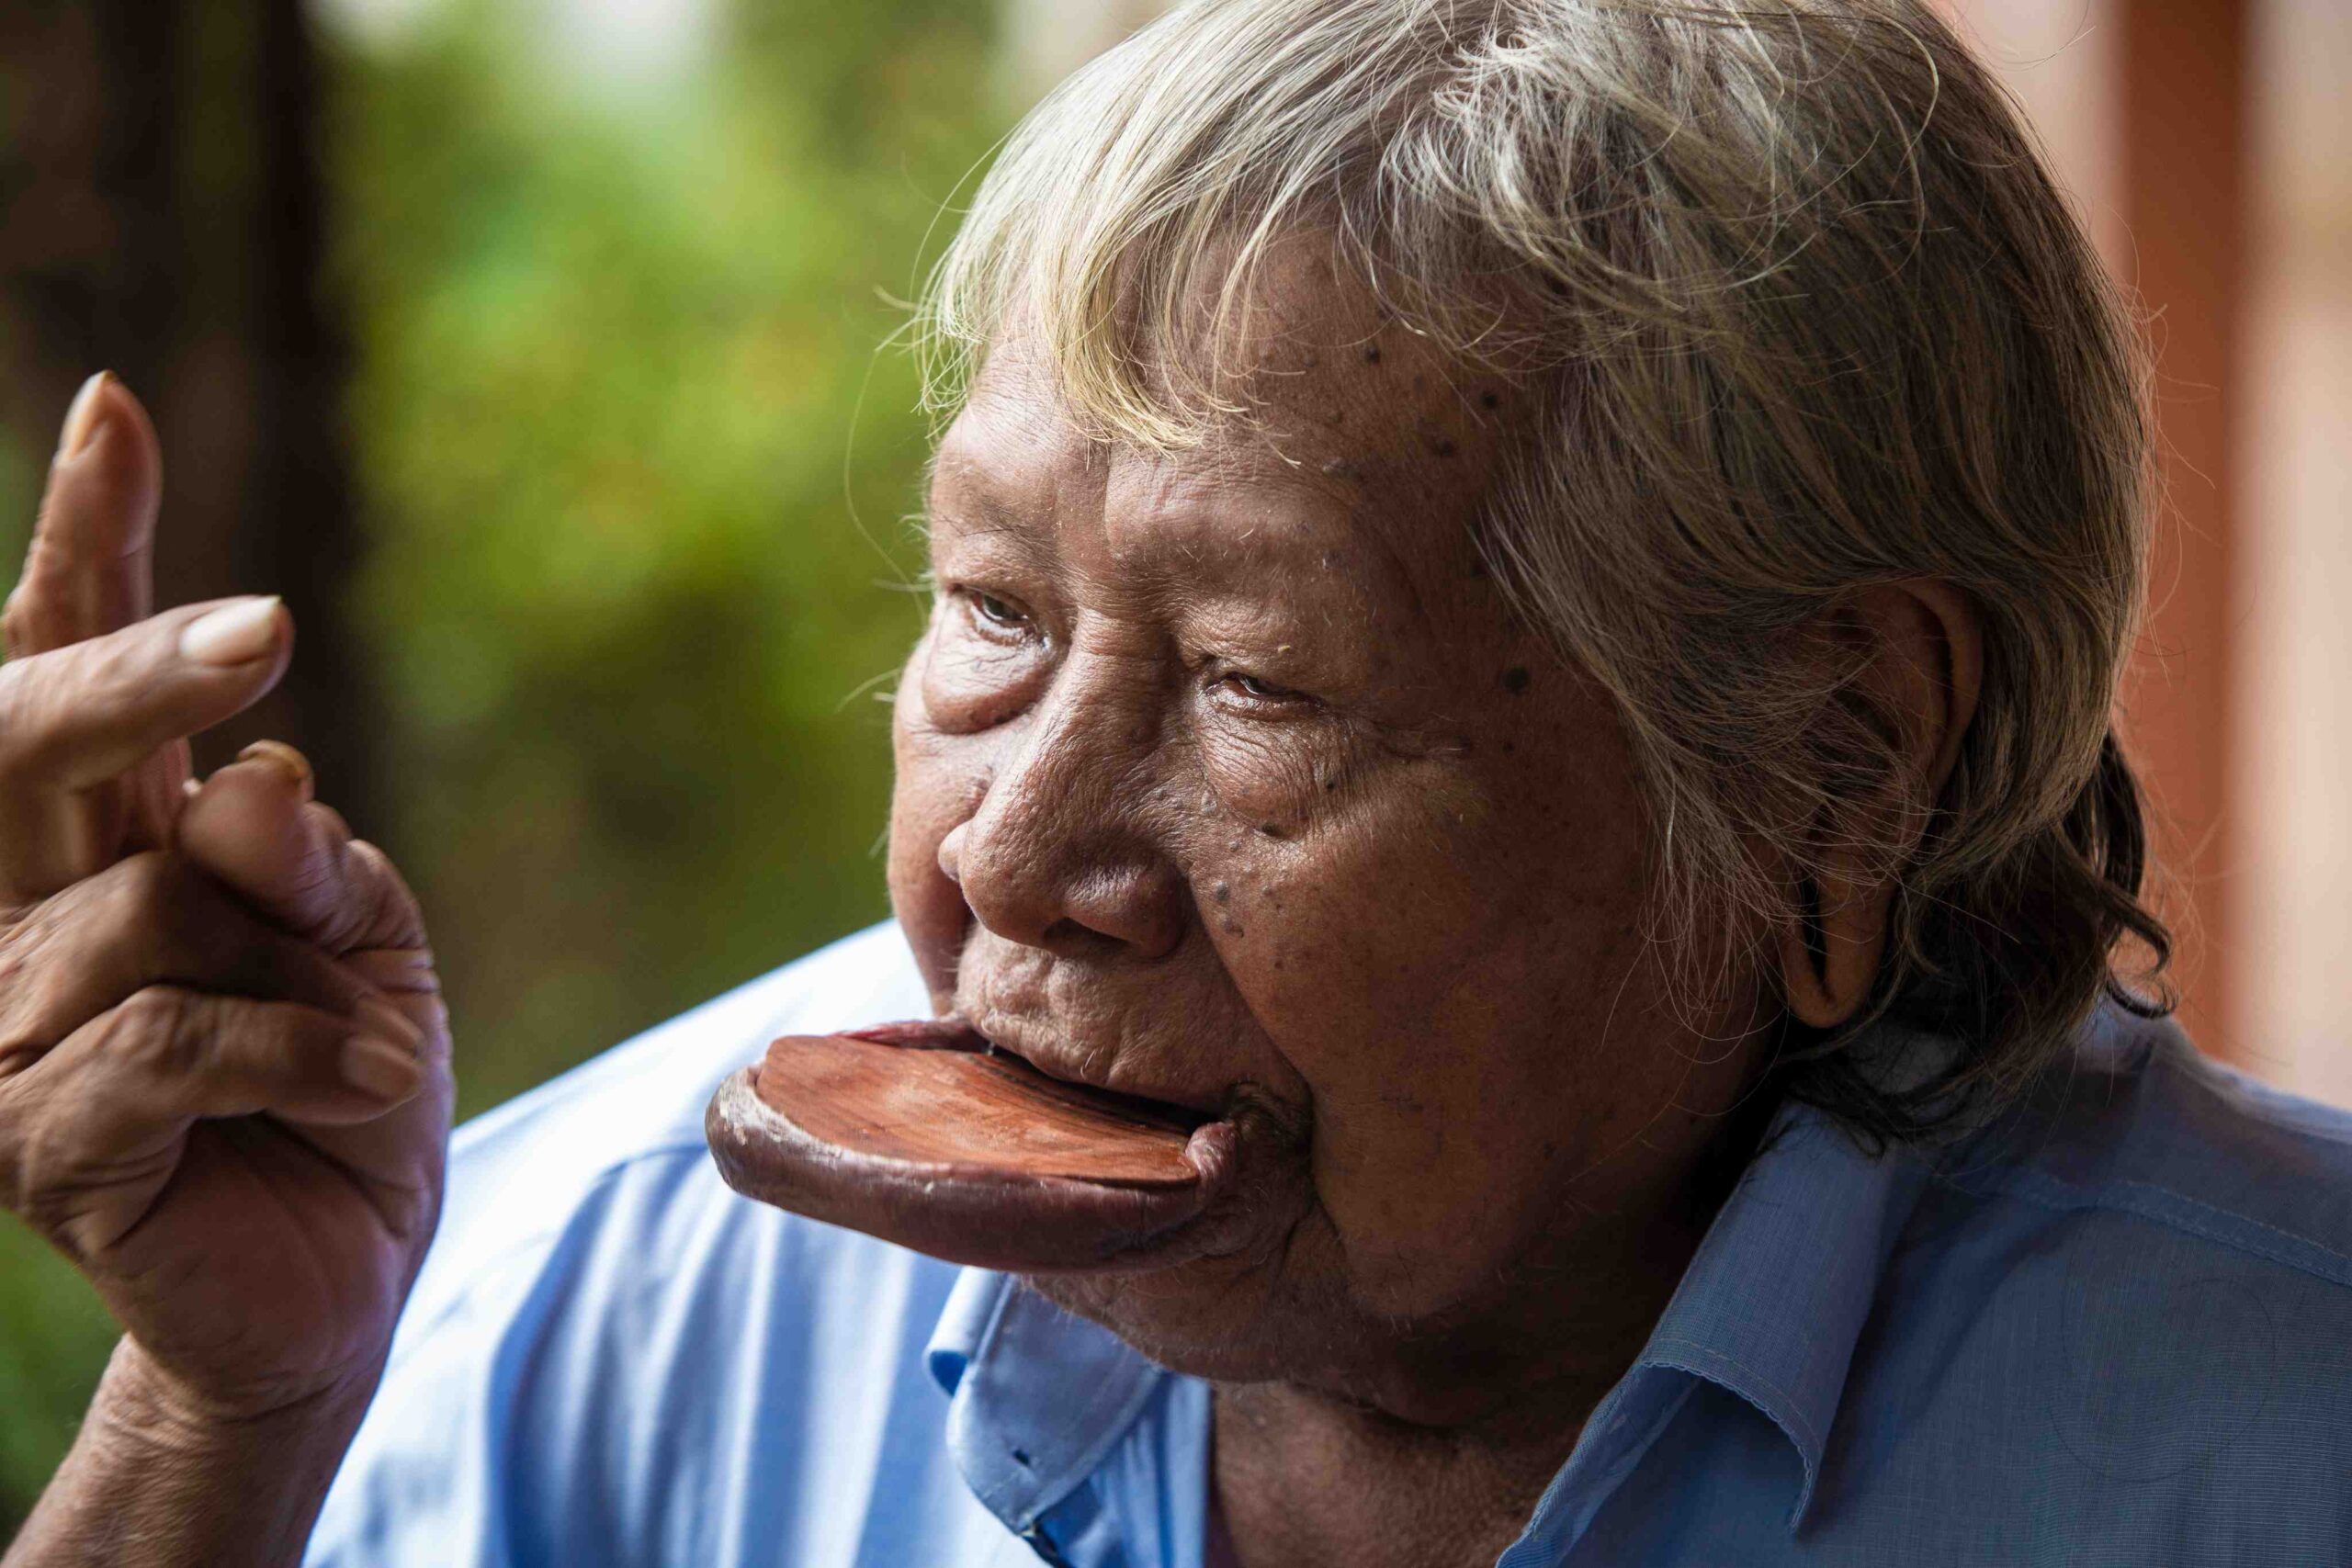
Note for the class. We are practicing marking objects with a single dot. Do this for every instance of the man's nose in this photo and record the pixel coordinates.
(1056, 856)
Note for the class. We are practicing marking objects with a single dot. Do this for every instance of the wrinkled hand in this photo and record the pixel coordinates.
(224, 1065)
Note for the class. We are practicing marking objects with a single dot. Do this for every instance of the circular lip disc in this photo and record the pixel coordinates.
(919, 1134)
(974, 1112)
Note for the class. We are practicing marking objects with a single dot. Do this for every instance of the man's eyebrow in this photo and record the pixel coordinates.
(981, 517)
(968, 500)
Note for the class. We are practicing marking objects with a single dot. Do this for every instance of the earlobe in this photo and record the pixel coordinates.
(1924, 665)
(1829, 955)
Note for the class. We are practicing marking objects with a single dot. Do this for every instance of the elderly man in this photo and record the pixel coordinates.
(1514, 727)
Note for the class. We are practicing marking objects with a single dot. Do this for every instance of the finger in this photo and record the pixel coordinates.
(168, 1051)
(78, 715)
(73, 719)
(153, 919)
(92, 1131)
(255, 826)
(87, 570)
(86, 573)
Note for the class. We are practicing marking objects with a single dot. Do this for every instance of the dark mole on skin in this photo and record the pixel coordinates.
(1222, 892)
(1444, 448)
(1372, 353)
(1488, 401)
(1516, 678)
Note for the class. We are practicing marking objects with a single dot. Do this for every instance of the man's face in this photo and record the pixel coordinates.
(1226, 777)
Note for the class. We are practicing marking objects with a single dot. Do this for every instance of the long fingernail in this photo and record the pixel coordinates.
(380, 1068)
(232, 634)
(384, 1021)
(296, 766)
(82, 419)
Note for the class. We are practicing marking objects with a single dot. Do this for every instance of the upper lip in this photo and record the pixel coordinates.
(1056, 1058)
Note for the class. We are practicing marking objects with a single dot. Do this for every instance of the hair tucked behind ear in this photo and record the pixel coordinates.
(2041, 931)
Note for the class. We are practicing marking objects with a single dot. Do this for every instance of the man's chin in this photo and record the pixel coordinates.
(1248, 1314)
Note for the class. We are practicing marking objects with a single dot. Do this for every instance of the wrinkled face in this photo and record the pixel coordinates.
(1225, 777)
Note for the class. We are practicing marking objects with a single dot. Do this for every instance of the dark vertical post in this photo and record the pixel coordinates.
(304, 542)
(2184, 145)
(165, 216)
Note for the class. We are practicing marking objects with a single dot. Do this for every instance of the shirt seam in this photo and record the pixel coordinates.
(1805, 1434)
(2063, 1196)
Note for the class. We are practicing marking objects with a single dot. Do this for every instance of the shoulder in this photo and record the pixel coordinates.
(2139, 1278)
(603, 1338)
(2120, 1309)
(2142, 1123)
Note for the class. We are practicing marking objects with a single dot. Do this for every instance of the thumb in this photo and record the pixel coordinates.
(255, 827)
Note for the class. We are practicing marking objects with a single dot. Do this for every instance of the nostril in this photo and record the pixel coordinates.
(1073, 939)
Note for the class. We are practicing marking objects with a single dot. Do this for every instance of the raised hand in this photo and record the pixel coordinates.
(224, 1066)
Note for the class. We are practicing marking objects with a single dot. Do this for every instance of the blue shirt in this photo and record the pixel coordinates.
(2115, 1329)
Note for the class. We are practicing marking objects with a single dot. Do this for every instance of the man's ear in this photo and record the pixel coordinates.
(1923, 666)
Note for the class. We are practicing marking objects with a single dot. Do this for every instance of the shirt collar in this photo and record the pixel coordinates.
(1773, 1302)
(1038, 1398)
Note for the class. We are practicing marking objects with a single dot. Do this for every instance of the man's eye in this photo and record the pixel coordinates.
(1260, 691)
(998, 612)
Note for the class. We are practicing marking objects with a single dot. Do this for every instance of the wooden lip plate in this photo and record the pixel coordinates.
(976, 1114)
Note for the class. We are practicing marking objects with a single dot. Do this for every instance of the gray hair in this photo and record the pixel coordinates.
(1806, 315)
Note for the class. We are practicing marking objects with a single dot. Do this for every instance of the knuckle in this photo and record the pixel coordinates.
(23, 978)
(153, 1010)
(38, 985)
(390, 912)
(377, 867)
(44, 1204)
(146, 877)
(21, 721)
(133, 893)
(26, 1009)
(162, 1029)
(43, 698)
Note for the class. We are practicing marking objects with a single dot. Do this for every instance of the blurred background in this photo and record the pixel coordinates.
(533, 349)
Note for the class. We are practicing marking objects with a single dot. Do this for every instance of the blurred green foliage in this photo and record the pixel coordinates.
(635, 469)
(637, 474)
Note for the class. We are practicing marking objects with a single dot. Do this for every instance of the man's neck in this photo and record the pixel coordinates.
(1303, 1479)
